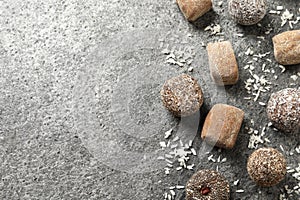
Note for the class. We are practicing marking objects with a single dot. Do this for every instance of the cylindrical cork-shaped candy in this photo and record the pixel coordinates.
(193, 9)
(287, 47)
(222, 63)
(222, 125)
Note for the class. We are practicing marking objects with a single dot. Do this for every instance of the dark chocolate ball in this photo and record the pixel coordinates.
(247, 12)
(266, 167)
(284, 110)
(207, 185)
(182, 95)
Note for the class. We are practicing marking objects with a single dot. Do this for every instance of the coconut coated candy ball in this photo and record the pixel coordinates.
(283, 110)
(247, 12)
(207, 185)
(266, 167)
(182, 95)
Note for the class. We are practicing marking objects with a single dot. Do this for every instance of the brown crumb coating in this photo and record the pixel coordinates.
(207, 185)
(266, 167)
(284, 110)
(182, 95)
(247, 12)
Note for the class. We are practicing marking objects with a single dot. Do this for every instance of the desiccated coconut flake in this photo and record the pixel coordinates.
(294, 77)
(267, 140)
(236, 182)
(210, 157)
(167, 171)
(193, 151)
(254, 141)
(165, 51)
(279, 8)
(179, 187)
(163, 144)
(273, 12)
(168, 143)
(282, 68)
(215, 29)
(169, 161)
(175, 139)
(190, 167)
(181, 143)
(291, 171)
(169, 156)
(190, 69)
(249, 52)
(286, 15)
(190, 143)
(219, 159)
(169, 165)
(172, 192)
(168, 133)
(297, 149)
(178, 168)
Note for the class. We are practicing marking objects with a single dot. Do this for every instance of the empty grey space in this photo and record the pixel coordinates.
(80, 111)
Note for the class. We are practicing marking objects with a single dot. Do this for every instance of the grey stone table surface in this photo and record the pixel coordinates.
(80, 114)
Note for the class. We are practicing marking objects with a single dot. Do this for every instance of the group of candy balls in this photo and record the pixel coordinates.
(182, 96)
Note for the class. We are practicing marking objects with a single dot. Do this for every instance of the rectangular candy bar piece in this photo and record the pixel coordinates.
(287, 47)
(193, 9)
(222, 125)
(222, 63)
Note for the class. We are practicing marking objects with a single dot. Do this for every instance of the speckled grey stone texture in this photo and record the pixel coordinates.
(45, 45)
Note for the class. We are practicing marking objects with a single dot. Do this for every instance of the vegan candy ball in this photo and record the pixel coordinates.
(284, 110)
(247, 12)
(182, 95)
(266, 167)
(207, 185)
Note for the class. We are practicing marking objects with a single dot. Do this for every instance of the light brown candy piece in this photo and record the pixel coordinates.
(222, 125)
(193, 9)
(222, 63)
(287, 47)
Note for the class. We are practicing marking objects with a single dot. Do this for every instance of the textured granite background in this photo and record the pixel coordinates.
(66, 67)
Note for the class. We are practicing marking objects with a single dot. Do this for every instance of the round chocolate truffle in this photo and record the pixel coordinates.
(247, 12)
(266, 167)
(182, 95)
(284, 110)
(207, 185)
